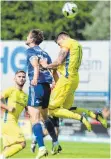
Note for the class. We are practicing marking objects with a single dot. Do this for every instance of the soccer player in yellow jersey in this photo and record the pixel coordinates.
(13, 138)
(62, 96)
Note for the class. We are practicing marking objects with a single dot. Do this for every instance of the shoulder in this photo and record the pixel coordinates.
(66, 43)
(30, 53)
(30, 50)
(10, 89)
(76, 43)
(7, 92)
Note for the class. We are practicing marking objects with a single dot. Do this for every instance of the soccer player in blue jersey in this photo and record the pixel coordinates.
(39, 91)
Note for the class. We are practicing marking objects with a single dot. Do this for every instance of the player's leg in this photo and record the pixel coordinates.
(95, 115)
(83, 110)
(100, 118)
(64, 113)
(34, 142)
(13, 149)
(34, 102)
(47, 122)
(55, 121)
(98, 115)
(68, 103)
(13, 139)
(59, 95)
(37, 130)
(49, 125)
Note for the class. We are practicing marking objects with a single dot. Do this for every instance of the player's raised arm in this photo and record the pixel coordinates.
(62, 55)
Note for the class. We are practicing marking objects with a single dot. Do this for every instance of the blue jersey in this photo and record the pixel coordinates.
(44, 74)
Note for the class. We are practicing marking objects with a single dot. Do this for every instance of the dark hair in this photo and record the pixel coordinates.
(61, 33)
(20, 71)
(37, 36)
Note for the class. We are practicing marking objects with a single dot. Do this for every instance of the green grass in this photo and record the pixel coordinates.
(71, 150)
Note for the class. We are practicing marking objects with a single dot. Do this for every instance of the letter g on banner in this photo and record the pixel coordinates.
(18, 59)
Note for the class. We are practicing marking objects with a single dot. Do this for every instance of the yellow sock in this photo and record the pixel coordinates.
(81, 110)
(12, 150)
(64, 113)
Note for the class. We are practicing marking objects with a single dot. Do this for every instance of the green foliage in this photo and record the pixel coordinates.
(19, 17)
(100, 28)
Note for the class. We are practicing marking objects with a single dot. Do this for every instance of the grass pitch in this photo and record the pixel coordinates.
(71, 150)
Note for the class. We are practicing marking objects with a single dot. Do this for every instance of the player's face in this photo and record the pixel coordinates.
(60, 40)
(29, 39)
(20, 79)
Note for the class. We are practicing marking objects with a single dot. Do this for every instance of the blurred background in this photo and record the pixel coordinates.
(91, 27)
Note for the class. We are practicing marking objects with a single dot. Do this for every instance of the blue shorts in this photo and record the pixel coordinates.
(39, 95)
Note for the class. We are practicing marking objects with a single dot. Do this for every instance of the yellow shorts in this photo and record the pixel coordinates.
(63, 93)
(11, 134)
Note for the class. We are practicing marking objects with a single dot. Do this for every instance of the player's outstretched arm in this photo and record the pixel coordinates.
(62, 55)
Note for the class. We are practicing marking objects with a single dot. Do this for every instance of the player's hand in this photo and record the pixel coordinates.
(11, 109)
(106, 112)
(53, 85)
(34, 82)
(43, 63)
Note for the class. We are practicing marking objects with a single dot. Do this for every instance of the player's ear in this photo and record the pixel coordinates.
(31, 40)
(14, 78)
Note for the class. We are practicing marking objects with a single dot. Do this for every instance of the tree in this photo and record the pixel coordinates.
(100, 28)
(18, 17)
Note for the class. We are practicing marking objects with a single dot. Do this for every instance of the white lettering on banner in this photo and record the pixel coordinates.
(93, 71)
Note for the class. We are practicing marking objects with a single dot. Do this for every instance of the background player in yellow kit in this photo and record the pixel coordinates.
(62, 96)
(13, 138)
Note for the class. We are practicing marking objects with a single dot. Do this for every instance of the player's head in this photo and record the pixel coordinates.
(20, 78)
(61, 37)
(35, 37)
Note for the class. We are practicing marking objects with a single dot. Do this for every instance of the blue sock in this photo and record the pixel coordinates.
(37, 130)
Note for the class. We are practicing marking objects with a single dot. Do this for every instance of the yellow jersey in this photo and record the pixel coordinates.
(73, 59)
(15, 98)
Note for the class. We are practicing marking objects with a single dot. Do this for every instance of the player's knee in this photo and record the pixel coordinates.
(23, 144)
(34, 120)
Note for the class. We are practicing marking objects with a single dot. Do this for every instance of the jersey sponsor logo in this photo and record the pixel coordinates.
(37, 101)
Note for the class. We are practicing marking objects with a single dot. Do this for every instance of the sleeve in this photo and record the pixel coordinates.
(7, 92)
(66, 44)
(31, 54)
